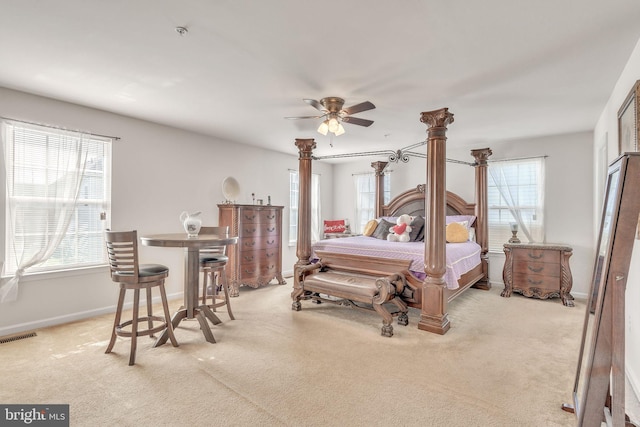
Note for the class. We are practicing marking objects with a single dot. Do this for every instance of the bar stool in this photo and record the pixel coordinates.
(214, 278)
(122, 249)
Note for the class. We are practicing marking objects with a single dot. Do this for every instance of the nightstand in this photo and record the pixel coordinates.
(539, 270)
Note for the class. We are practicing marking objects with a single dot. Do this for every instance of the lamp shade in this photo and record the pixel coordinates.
(323, 128)
(333, 125)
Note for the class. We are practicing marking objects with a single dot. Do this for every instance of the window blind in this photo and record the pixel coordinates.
(515, 195)
(42, 167)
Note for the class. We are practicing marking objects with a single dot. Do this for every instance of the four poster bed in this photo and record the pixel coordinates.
(363, 273)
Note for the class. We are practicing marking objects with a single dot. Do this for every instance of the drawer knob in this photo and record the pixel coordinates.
(271, 229)
(270, 242)
(534, 282)
(270, 216)
(535, 269)
(531, 255)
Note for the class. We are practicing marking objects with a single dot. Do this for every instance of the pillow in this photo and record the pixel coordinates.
(370, 227)
(417, 227)
(382, 230)
(336, 226)
(470, 219)
(457, 233)
(472, 234)
(420, 235)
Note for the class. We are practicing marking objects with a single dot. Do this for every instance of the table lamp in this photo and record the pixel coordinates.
(514, 232)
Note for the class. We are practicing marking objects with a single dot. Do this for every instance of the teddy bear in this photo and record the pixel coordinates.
(400, 231)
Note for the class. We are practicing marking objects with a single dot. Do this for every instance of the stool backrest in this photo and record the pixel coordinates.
(122, 250)
(214, 250)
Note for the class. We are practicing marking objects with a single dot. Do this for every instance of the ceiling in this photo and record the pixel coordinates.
(507, 69)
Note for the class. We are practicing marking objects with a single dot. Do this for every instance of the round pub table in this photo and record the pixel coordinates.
(192, 245)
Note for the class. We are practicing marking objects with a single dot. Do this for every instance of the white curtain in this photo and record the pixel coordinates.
(521, 187)
(365, 199)
(316, 211)
(41, 195)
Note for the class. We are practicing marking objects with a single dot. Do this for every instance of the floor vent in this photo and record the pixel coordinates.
(16, 337)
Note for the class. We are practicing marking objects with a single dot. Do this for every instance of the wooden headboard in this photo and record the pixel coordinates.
(411, 202)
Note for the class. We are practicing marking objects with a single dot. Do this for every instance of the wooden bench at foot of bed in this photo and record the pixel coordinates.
(347, 280)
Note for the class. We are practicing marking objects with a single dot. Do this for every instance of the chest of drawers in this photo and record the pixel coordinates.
(257, 258)
(539, 270)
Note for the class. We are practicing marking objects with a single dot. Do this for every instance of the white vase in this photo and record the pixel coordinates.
(191, 223)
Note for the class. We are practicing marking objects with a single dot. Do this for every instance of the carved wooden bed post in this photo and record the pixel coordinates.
(433, 317)
(378, 167)
(303, 249)
(482, 225)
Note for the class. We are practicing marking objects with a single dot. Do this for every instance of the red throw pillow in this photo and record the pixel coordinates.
(335, 226)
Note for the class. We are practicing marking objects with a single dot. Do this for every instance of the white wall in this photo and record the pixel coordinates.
(607, 129)
(569, 192)
(158, 172)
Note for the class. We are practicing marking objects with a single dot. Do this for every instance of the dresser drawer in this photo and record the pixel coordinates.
(258, 242)
(255, 270)
(536, 255)
(258, 216)
(257, 229)
(261, 256)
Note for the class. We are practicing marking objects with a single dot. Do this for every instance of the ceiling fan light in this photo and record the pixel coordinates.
(333, 124)
(340, 130)
(323, 128)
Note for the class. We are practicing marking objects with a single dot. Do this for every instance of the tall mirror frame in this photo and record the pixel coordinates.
(599, 387)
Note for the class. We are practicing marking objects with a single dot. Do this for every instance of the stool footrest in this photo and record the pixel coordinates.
(142, 332)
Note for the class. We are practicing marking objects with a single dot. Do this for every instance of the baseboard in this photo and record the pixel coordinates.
(72, 317)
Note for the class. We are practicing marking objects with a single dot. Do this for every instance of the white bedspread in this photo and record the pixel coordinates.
(460, 257)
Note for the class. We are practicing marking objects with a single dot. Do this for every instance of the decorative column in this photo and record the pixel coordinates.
(378, 168)
(482, 227)
(303, 249)
(433, 317)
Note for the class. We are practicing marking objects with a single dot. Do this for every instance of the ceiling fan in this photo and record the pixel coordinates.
(334, 114)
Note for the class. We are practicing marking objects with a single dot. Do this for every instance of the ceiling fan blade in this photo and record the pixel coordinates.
(315, 104)
(363, 106)
(305, 117)
(357, 121)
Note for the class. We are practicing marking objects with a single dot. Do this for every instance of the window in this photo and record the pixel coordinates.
(366, 197)
(515, 195)
(316, 213)
(58, 188)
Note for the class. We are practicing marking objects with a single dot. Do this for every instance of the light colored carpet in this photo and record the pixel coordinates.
(505, 362)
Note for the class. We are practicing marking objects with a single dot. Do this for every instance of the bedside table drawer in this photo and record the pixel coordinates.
(536, 255)
(541, 268)
(527, 281)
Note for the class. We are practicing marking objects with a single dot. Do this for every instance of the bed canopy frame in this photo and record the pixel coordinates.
(436, 201)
